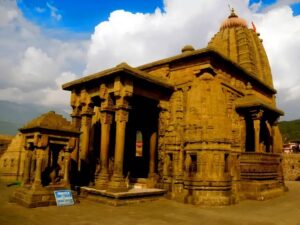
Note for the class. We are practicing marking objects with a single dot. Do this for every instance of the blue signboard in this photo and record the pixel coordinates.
(63, 197)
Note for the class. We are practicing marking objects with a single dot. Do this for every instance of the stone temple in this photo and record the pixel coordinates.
(201, 125)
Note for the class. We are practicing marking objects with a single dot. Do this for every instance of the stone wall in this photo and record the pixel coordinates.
(4, 143)
(12, 160)
(291, 166)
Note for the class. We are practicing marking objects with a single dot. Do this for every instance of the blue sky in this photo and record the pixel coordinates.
(78, 15)
(83, 16)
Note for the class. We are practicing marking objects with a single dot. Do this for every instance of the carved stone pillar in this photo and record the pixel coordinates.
(76, 121)
(40, 144)
(37, 183)
(122, 90)
(106, 121)
(256, 117)
(276, 138)
(153, 140)
(27, 166)
(86, 119)
(66, 179)
(76, 117)
(118, 182)
(256, 124)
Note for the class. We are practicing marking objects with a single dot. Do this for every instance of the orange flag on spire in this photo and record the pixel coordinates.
(253, 26)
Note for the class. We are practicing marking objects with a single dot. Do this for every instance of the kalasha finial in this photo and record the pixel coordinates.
(232, 13)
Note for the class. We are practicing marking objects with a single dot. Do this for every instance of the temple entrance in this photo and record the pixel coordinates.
(143, 121)
(53, 172)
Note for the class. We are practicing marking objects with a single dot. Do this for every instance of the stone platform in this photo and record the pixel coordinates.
(32, 198)
(134, 195)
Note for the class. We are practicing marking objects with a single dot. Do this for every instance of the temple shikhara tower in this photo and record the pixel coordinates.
(201, 125)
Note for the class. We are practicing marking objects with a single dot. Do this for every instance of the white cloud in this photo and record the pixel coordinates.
(33, 66)
(54, 12)
(281, 3)
(7, 14)
(256, 6)
(64, 78)
(140, 38)
(36, 69)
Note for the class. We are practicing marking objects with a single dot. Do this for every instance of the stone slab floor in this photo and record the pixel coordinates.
(284, 210)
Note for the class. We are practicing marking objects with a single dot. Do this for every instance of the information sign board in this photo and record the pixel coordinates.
(63, 197)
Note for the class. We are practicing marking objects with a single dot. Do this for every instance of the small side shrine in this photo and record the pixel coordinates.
(49, 141)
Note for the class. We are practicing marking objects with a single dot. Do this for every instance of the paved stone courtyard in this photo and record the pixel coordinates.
(284, 210)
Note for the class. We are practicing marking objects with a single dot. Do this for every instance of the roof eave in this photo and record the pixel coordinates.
(122, 68)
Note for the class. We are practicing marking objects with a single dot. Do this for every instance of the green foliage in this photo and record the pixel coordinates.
(290, 130)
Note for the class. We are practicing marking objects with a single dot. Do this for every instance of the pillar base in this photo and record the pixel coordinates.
(102, 181)
(36, 186)
(152, 180)
(117, 184)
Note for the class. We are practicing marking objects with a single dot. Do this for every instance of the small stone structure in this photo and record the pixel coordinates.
(48, 141)
(291, 166)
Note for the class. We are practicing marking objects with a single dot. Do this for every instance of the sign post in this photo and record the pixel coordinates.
(63, 197)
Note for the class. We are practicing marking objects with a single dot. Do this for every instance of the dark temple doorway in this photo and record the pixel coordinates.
(142, 122)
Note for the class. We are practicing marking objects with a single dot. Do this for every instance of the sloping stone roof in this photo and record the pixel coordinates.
(124, 69)
(49, 121)
(253, 101)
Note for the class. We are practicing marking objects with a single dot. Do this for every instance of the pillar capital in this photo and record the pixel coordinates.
(163, 105)
(75, 99)
(123, 87)
(86, 103)
(76, 112)
(106, 117)
(40, 141)
(87, 110)
(256, 114)
(107, 102)
(121, 115)
(122, 103)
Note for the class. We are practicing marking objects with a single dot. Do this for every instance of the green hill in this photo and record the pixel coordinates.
(290, 130)
(9, 128)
